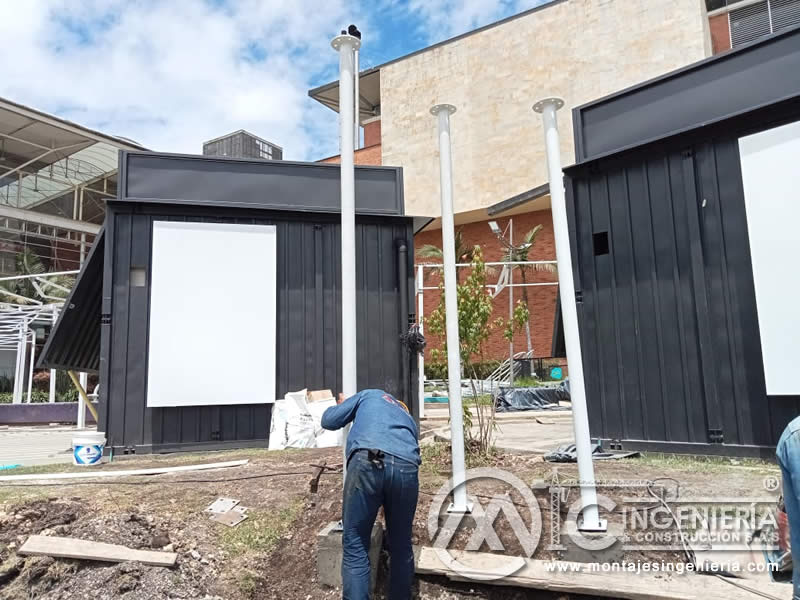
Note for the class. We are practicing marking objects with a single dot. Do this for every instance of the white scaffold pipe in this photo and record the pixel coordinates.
(421, 359)
(346, 45)
(590, 518)
(442, 113)
(356, 103)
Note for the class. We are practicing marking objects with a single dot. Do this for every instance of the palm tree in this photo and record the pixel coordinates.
(464, 253)
(29, 291)
(520, 254)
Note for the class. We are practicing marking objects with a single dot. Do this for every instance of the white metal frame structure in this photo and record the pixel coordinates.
(55, 176)
(503, 282)
(54, 179)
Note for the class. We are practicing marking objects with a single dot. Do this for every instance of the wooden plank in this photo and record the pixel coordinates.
(64, 547)
(578, 578)
(89, 472)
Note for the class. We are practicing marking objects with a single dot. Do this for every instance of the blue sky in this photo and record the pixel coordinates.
(171, 74)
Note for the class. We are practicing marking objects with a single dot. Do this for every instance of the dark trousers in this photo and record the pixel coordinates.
(394, 484)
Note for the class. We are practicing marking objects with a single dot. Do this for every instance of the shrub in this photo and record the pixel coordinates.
(40, 396)
(438, 370)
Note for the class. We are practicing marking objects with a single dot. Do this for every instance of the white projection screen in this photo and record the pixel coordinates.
(771, 175)
(212, 314)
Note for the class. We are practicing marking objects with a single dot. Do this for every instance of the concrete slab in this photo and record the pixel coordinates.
(587, 547)
(529, 434)
(329, 555)
(29, 446)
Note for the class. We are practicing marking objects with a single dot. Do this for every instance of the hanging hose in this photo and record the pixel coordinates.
(413, 340)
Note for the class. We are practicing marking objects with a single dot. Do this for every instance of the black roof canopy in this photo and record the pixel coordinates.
(733, 83)
(74, 341)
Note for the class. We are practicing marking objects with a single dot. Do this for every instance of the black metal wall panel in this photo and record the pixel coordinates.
(668, 317)
(308, 336)
(708, 91)
(276, 185)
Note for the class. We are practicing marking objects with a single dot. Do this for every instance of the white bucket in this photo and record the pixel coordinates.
(87, 447)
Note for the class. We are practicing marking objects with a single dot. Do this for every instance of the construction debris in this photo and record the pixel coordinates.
(222, 505)
(231, 518)
(123, 472)
(227, 511)
(65, 547)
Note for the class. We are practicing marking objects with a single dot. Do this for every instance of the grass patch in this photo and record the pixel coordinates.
(247, 582)
(436, 458)
(526, 382)
(145, 461)
(703, 464)
(483, 400)
(262, 530)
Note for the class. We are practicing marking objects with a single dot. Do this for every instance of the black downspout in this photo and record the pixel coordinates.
(402, 288)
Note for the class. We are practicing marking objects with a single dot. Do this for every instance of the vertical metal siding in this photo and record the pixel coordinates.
(308, 322)
(668, 318)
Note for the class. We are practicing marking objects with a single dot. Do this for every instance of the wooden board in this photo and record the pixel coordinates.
(91, 472)
(577, 578)
(64, 547)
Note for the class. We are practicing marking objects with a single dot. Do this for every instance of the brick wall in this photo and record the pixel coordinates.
(541, 300)
(364, 156)
(372, 133)
(720, 33)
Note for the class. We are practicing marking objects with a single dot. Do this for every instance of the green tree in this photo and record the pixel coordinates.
(463, 253)
(27, 291)
(520, 253)
(475, 325)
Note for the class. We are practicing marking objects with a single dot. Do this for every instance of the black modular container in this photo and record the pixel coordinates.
(661, 258)
(301, 200)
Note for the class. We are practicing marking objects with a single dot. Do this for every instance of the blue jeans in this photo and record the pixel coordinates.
(368, 486)
(788, 453)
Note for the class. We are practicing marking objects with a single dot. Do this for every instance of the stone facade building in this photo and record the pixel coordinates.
(578, 50)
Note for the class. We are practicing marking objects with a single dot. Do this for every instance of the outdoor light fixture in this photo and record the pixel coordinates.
(494, 227)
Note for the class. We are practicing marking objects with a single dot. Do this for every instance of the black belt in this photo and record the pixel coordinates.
(374, 456)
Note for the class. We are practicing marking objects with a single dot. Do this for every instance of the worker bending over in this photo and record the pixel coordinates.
(788, 454)
(383, 460)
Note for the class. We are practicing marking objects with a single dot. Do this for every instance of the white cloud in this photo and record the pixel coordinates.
(172, 74)
(443, 19)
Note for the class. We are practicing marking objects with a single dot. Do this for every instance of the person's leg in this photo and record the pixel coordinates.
(788, 453)
(400, 504)
(363, 492)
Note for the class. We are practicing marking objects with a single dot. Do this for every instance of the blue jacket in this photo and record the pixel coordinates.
(379, 422)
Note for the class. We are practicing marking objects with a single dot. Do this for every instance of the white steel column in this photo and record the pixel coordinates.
(580, 418)
(19, 376)
(52, 396)
(356, 107)
(421, 359)
(81, 424)
(80, 218)
(511, 307)
(346, 45)
(30, 370)
(442, 113)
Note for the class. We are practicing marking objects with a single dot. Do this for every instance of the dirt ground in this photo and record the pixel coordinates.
(272, 554)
